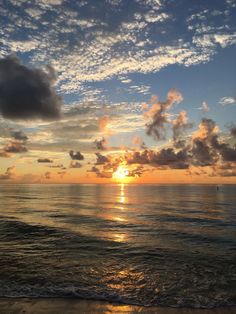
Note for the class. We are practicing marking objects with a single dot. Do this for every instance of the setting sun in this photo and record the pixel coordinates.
(121, 173)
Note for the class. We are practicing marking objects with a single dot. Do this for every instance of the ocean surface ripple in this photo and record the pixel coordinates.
(136, 244)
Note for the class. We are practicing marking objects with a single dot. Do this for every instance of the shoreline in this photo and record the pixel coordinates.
(73, 305)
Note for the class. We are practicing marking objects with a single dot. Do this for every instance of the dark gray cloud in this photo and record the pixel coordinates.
(158, 114)
(60, 166)
(136, 172)
(19, 135)
(227, 152)
(166, 157)
(101, 159)
(233, 131)
(44, 160)
(179, 126)
(15, 147)
(227, 169)
(157, 125)
(101, 173)
(169, 157)
(75, 164)
(203, 153)
(139, 157)
(27, 93)
(93, 169)
(100, 144)
(207, 148)
(76, 155)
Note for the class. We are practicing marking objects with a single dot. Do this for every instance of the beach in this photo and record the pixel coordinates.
(72, 306)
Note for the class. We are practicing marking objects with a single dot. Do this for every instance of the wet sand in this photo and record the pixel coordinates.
(72, 306)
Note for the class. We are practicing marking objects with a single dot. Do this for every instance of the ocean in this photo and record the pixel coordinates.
(152, 245)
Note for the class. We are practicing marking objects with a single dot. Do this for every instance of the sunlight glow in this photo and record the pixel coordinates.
(121, 174)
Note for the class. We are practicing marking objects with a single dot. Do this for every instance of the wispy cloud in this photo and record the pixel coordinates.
(227, 101)
(85, 47)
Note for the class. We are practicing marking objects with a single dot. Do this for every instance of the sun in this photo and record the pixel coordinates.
(121, 173)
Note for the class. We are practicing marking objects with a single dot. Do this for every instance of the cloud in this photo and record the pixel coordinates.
(101, 173)
(27, 93)
(137, 140)
(51, 2)
(103, 123)
(101, 159)
(140, 89)
(153, 17)
(47, 175)
(15, 147)
(4, 154)
(104, 174)
(169, 157)
(19, 135)
(202, 150)
(203, 154)
(9, 174)
(227, 101)
(139, 157)
(80, 127)
(225, 170)
(180, 125)
(228, 153)
(158, 114)
(204, 107)
(60, 166)
(166, 157)
(136, 172)
(207, 149)
(125, 80)
(101, 144)
(75, 164)
(206, 129)
(45, 160)
(112, 40)
(233, 131)
(93, 169)
(76, 155)
(61, 173)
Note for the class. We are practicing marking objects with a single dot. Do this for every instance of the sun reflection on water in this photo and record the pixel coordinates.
(119, 237)
(122, 197)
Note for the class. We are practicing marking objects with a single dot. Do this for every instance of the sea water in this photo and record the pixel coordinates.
(163, 245)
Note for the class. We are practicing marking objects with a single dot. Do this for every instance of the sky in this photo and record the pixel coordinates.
(116, 91)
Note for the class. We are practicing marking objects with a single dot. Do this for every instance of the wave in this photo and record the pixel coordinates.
(154, 246)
